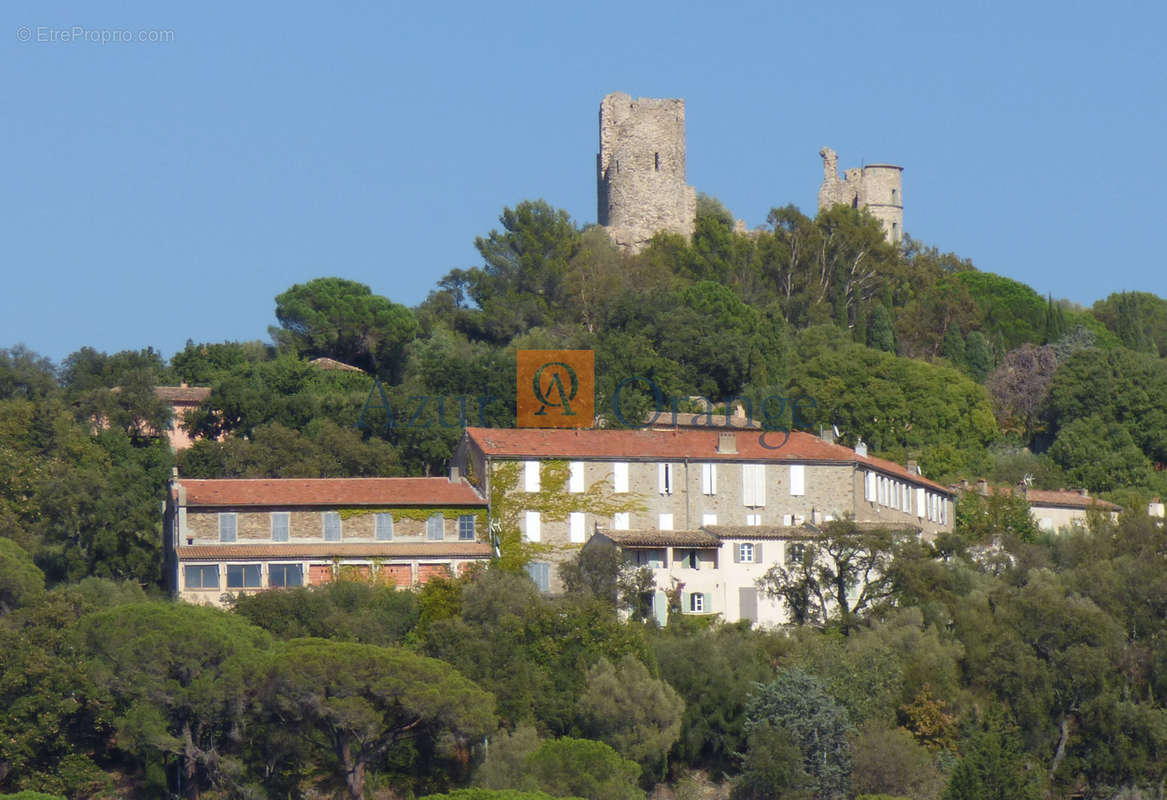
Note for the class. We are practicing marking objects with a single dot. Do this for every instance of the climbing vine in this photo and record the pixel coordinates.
(552, 501)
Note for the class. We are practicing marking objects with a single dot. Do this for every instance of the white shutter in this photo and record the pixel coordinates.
(920, 511)
(533, 526)
(787, 520)
(708, 518)
(708, 479)
(869, 486)
(753, 520)
(797, 480)
(747, 484)
(907, 492)
(754, 485)
(530, 476)
(760, 485)
(575, 481)
(620, 521)
(666, 522)
(664, 474)
(620, 477)
(577, 527)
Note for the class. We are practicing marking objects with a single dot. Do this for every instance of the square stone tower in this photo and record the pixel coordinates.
(640, 170)
(877, 187)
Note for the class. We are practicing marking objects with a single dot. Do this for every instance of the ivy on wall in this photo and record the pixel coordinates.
(552, 501)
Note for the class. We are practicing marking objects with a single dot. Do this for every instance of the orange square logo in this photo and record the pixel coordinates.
(555, 389)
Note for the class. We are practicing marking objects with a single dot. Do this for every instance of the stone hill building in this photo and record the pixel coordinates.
(227, 537)
(640, 170)
(876, 187)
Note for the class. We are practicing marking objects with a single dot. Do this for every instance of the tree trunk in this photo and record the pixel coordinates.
(1060, 753)
(354, 774)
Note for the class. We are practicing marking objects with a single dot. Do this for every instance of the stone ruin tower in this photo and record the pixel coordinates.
(876, 187)
(640, 170)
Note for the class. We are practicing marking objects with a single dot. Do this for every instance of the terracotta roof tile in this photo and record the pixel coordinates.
(423, 550)
(1062, 497)
(655, 538)
(318, 492)
(679, 444)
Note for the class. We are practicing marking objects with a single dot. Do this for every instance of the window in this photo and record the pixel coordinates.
(621, 521)
(869, 486)
(656, 162)
(331, 526)
(708, 479)
(687, 559)
(541, 574)
(285, 575)
(708, 518)
(201, 576)
(620, 477)
(753, 520)
(665, 478)
(530, 476)
(920, 511)
(745, 553)
(226, 527)
(279, 526)
(794, 552)
(466, 528)
(697, 603)
(575, 481)
(435, 528)
(243, 576)
(383, 527)
(754, 485)
(665, 522)
(533, 526)
(797, 480)
(577, 527)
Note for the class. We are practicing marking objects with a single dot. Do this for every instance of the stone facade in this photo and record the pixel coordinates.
(236, 536)
(640, 170)
(688, 480)
(876, 187)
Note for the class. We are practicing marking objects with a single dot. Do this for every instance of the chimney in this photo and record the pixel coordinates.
(827, 434)
(455, 475)
(1083, 492)
(861, 448)
(913, 467)
(726, 442)
(982, 487)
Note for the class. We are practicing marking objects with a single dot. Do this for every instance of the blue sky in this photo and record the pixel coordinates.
(159, 191)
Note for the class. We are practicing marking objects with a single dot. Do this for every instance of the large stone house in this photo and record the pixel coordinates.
(688, 479)
(236, 536)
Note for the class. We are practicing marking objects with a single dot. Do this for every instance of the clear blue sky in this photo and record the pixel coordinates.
(159, 191)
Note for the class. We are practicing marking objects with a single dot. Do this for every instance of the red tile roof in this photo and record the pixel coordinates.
(287, 492)
(1042, 497)
(423, 550)
(678, 444)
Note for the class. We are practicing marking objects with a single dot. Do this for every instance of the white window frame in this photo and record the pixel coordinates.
(202, 568)
(575, 480)
(708, 518)
(577, 527)
(620, 477)
(664, 476)
(709, 479)
(797, 480)
(464, 521)
(665, 523)
(533, 526)
(753, 520)
(531, 476)
(435, 527)
(920, 500)
(745, 552)
(696, 602)
(251, 565)
(286, 564)
(621, 521)
(869, 485)
(754, 485)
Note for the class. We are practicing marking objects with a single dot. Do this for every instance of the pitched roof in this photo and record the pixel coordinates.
(330, 550)
(1042, 497)
(285, 492)
(679, 444)
(182, 394)
(655, 538)
(324, 362)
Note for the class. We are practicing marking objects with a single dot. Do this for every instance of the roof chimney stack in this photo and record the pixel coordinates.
(827, 434)
(861, 448)
(726, 442)
(455, 475)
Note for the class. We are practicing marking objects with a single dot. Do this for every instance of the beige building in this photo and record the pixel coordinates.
(1054, 510)
(238, 536)
(677, 479)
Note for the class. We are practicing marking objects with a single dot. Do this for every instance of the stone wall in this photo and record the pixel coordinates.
(876, 187)
(640, 170)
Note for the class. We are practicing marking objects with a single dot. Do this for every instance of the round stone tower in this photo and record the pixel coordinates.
(877, 187)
